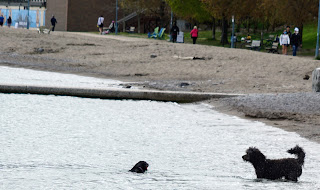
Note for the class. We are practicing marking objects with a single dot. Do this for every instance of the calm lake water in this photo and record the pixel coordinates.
(20, 76)
(57, 142)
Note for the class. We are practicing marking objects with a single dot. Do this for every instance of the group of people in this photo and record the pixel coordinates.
(175, 31)
(287, 39)
(9, 21)
(101, 25)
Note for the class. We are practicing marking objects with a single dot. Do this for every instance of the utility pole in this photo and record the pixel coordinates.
(232, 40)
(317, 47)
(171, 24)
(117, 17)
(28, 14)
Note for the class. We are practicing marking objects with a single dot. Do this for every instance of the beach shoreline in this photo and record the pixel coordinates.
(154, 64)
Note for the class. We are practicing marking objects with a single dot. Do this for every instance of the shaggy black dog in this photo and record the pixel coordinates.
(140, 167)
(289, 168)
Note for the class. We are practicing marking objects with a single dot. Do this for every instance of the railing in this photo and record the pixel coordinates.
(22, 1)
(33, 3)
(128, 17)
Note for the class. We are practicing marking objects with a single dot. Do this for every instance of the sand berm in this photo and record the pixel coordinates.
(275, 86)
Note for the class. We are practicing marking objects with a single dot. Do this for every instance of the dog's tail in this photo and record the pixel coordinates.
(299, 152)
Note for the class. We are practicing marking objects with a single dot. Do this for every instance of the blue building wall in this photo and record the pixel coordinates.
(20, 17)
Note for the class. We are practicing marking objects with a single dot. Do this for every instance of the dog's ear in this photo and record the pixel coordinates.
(250, 150)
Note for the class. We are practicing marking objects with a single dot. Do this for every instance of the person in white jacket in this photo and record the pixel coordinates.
(100, 23)
(284, 42)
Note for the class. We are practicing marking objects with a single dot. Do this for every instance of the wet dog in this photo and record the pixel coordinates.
(140, 167)
(289, 168)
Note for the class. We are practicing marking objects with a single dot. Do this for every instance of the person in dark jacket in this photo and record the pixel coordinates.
(288, 31)
(295, 41)
(174, 32)
(53, 22)
(9, 21)
(1, 20)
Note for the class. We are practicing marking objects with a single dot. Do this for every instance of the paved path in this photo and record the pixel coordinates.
(135, 94)
(114, 37)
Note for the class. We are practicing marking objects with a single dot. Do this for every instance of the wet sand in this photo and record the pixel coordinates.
(155, 64)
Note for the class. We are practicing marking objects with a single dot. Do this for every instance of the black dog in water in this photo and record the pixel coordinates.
(140, 167)
(289, 168)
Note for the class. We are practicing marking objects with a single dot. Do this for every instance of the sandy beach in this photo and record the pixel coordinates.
(277, 92)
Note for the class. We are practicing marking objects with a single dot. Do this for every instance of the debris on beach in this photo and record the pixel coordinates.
(39, 50)
(43, 50)
(199, 58)
(183, 84)
(306, 77)
(81, 44)
(140, 74)
(190, 58)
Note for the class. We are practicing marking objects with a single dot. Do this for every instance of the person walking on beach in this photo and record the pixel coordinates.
(174, 32)
(100, 24)
(9, 21)
(295, 41)
(1, 20)
(194, 34)
(289, 34)
(284, 42)
(288, 31)
(53, 23)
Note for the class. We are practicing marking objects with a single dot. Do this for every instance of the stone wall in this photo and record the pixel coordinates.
(59, 9)
(83, 14)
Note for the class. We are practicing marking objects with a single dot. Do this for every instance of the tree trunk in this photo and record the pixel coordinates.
(139, 24)
(124, 24)
(162, 14)
(224, 36)
(255, 27)
(248, 25)
(301, 32)
(273, 27)
(213, 28)
(262, 34)
(238, 26)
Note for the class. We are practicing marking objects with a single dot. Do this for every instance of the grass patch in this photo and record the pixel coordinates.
(205, 38)
(310, 36)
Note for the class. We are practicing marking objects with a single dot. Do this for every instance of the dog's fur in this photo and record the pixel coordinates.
(140, 167)
(289, 168)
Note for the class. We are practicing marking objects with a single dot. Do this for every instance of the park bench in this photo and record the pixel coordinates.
(131, 29)
(255, 45)
(273, 48)
(271, 37)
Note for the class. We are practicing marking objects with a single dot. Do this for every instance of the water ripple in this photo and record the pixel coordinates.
(76, 143)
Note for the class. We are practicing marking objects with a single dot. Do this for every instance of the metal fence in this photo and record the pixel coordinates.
(21, 1)
(33, 3)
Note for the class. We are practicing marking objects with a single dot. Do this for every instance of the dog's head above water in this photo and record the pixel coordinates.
(140, 167)
(253, 154)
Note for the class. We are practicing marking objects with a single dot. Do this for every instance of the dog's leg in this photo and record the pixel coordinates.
(292, 177)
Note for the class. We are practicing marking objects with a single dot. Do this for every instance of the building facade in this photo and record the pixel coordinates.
(80, 15)
(18, 11)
